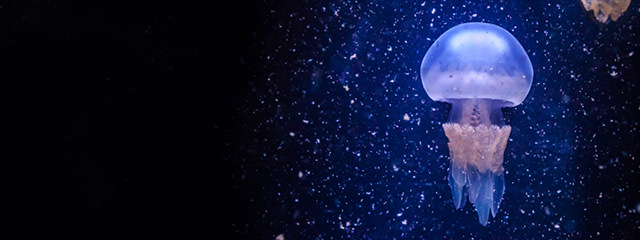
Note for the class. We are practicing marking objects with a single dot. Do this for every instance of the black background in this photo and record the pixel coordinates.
(113, 114)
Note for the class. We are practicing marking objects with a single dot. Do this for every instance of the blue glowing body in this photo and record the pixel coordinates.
(477, 60)
(478, 68)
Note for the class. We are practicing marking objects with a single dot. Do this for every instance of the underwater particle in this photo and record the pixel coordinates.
(280, 236)
(603, 9)
(478, 68)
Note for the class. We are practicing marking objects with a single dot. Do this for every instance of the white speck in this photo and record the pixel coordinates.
(406, 117)
(395, 168)
(352, 56)
(346, 88)
(433, 11)
(423, 3)
(474, 15)
(305, 121)
(399, 214)
(404, 222)
(614, 73)
(390, 49)
(556, 226)
(280, 237)
(292, 134)
(631, 54)
(300, 174)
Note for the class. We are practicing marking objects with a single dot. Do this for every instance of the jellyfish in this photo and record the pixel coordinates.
(478, 68)
(603, 9)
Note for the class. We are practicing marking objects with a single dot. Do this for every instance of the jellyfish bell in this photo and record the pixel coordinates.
(478, 68)
(477, 60)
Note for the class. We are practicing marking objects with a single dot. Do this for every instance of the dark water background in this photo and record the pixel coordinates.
(312, 160)
(253, 119)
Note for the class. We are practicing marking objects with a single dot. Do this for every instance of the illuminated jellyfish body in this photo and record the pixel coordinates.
(478, 68)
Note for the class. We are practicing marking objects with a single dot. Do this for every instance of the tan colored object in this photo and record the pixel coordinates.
(477, 154)
(603, 9)
(480, 146)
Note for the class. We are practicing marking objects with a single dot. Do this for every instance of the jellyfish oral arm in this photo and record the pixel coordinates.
(477, 140)
(476, 166)
(603, 9)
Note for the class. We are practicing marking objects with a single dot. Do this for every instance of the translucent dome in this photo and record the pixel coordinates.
(477, 61)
